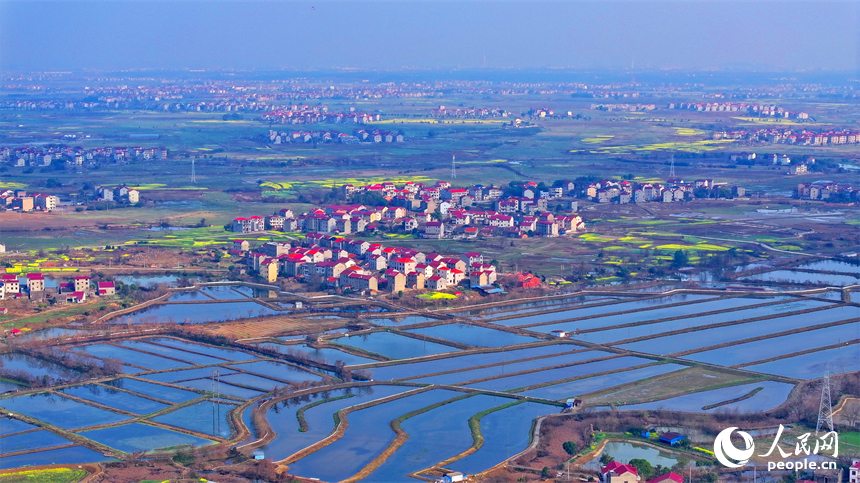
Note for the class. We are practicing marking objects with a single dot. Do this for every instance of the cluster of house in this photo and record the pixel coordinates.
(826, 191)
(440, 211)
(121, 194)
(788, 136)
(622, 192)
(623, 107)
(468, 113)
(757, 109)
(32, 285)
(19, 200)
(616, 472)
(76, 156)
(331, 136)
(315, 115)
(361, 266)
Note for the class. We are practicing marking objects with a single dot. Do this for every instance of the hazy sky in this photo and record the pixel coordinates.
(63, 35)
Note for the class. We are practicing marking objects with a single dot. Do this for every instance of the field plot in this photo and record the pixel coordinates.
(509, 367)
(393, 345)
(650, 314)
(778, 346)
(284, 421)
(207, 417)
(128, 355)
(113, 398)
(73, 454)
(592, 384)
(172, 353)
(771, 395)
(600, 310)
(34, 366)
(513, 382)
(367, 435)
(506, 432)
(142, 437)
(612, 335)
(30, 441)
(277, 370)
(399, 371)
(473, 335)
(153, 390)
(721, 335)
(792, 276)
(229, 354)
(195, 313)
(60, 411)
(434, 436)
(845, 358)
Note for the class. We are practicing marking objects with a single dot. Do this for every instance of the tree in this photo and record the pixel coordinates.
(606, 458)
(544, 473)
(569, 447)
(680, 259)
(644, 467)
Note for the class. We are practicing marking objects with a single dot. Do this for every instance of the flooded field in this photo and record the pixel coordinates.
(792, 276)
(110, 397)
(513, 382)
(204, 417)
(579, 387)
(473, 335)
(194, 313)
(73, 454)
(35, 367)
(142, 437)
(60, 411)
(393, 345)
(812, 365)
(773, 394)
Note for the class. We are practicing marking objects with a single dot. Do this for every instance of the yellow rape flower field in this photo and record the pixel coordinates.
(50, 475)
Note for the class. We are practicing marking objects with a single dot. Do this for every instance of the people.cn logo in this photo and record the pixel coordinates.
(725, 451)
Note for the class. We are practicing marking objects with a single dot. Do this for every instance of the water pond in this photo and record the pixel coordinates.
(73, 454)
(51, 333)
(204, 417)
(434, 436)
(393, 345)
(278, 370)
(252, 381)
(186, 374)
(30, 441)
(811, 366)
(144, 280)
(399, 371)
(195, 313)
(720, 335)
(142, 437)
(832, 266)
(6, 386)
(508, 383)
(222, 292)
(282, 418)
(154, 390)
(332, 355)
(12, 426)
(60, 411)
(222, 352)
(409, 319)
(773, 394)
(506, 433)
(365, 437)
(187, 296)
(591, 384)
(14, 361)
(624, 452)
(223, 388)
(537, 305)
(115, 399)
(473, 335)
(127, 355)
(792, 276)
(173, 353)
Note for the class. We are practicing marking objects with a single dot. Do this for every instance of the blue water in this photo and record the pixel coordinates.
(74, 454)
(506, 433)
(811, 366)
(115, 399)
(11, 426)
(254, 381)
(223, 388)
(282, 418)
(792, 276)
(145, 280)
(60, 411)
(277, 370)
(591, 384)
(142, 437)
(195, 313)
(127, 355)
(474, 335)
(223, 352)
(409, 319)
(30, 441)
(720, 335)
(399, 371)
(154, 390)
(365, 437)
(394, 346)
(36, 367)
(508, 383)
(187, 295)
(773, 394)
(174, 353)
(204, 417)
(186, 374)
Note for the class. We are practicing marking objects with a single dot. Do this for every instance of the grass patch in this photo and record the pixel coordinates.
(51, 475)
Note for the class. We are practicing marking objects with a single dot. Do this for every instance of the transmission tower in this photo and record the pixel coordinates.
(453, 167)
(672, 166)
(825, 410)
(193, 175)
(216, 407)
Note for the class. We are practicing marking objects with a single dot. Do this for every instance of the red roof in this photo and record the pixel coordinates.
(35, 276)
(82, 277)
(105, 284)
(667, 478)
(618, 468)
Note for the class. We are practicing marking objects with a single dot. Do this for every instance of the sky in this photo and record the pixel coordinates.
(267, 34)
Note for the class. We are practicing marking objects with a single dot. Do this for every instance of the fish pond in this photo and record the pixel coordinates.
(114, 398)
(277, 370)
(195, 313)
(473, 335)
(30, 441)
(123, 354)
(142, 437)
(772, 394)
(845, 358)
(624, 452)
(205, 417)
(13, 361)
(598, 383)
(60, 411)
(393, 345)
(153, 390)
(72, 454)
